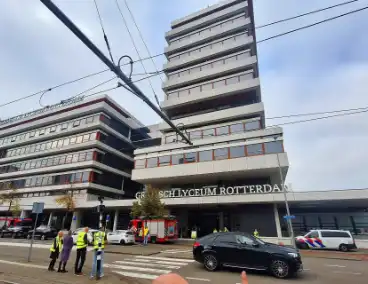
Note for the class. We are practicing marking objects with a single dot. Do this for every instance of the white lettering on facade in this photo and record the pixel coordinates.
(259, 188)
(229, 190)
(251, 189)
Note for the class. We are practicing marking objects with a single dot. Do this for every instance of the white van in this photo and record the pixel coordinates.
(326, 239)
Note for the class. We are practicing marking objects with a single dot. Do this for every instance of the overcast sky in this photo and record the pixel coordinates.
(323, 68)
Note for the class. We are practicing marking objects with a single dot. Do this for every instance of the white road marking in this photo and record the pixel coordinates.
(9, 282)
(136, 275)
(347, 272)
(198, 279)
(165, 258)
(143, 269)
(147, 264)
(160, 262)
(23, 264)
(335, 265)
(176, 251)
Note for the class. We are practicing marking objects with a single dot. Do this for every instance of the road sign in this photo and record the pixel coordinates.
(107, 218)
(289, 217)
(38, 207)
(74, 218)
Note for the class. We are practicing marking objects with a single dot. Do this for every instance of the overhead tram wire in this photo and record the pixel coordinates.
(136, 49)
(104, 33)
(141, 36)
(306, 14)
(157, 55)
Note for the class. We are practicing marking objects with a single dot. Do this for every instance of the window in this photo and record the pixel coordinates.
(69, 159)
(85, 137)
(243, 240)
(54, 144)
(208, 132)
(48, 145)
(313, 234)
(62, 160)
(205, 156)
(222, 130)
(64, 126)
(140, 164)
(236, 152)
(90, 119)
(164, 161)
(66, 142)
(32, 134)
(252, 125)
(72, 140)
(52, 129)
(89, 156)
(273, 147)
(254, 149)
(151, 162)
(82, 157)
(235, 128)
(77, 177)
(335, 234)
(85, 177)
(177, 159)
(60, 144)
(221, 154)
(196, 134)
(76, 123)
(43, 147)
(42, 132)
(225, 238)
(79, 139)
(190, 157)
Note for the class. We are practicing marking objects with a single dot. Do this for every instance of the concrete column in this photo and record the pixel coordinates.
(76, 220)
(24, 214)
(277, 220)
(50, 219)
(116, 218)
(221, 221)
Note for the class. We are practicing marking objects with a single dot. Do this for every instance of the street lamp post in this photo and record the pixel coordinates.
(288, 216)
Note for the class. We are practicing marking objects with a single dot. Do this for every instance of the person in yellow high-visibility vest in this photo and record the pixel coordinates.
(99, 242)
(82, 243)
(225, 229)
(256, 234)
(55, 250)
(214, 230)
(145, 235)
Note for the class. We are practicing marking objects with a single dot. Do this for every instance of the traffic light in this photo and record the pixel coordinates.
(100, 208)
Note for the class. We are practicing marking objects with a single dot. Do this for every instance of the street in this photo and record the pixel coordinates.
(138, 266)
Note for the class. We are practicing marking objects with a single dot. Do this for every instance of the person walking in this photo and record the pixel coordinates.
(82, 243)
(145, 235)
(255, 233)
(55, 249)
(65, 252)
(99, 242)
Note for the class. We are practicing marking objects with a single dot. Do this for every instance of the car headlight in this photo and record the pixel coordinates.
(293, 254)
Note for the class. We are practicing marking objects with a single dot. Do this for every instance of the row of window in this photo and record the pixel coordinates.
(53, 144)
(47, 162)
(208, 47)
(206, 31)
(212, 155)
(218, 131)
(48, 193)
(211, 65)
(213, 85)
(50, 129)
(37, 181)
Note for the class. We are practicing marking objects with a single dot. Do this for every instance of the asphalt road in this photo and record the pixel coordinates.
(124, 268)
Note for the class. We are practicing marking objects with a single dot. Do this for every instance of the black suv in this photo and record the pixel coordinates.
(240, 250)
(43, 232)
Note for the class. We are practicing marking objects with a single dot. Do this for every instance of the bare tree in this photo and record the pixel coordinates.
(68, 202)
(11, 197)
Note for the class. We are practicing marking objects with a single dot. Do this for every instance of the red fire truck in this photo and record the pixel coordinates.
(161, 230)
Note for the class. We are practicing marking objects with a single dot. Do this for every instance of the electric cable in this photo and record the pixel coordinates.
(104, 33)
(136, 49)
(39, 100)
(305, 14)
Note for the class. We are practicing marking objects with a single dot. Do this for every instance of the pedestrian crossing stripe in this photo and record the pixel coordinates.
(136, 268)
(166, 258)
(132, 261)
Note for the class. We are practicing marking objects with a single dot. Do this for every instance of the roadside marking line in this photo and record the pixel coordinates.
(136, 275)
(198, 279)
(347, 272)
(146, 264)
(144, 269)
(165, 258)
(9, 282)
(306, 269)
(335, 265)
(23, 264)
(176, 251)
(157, 261)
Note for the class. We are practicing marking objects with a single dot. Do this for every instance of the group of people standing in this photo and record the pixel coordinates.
(62, 245)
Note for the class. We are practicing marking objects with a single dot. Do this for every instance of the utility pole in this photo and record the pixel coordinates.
(114, 68)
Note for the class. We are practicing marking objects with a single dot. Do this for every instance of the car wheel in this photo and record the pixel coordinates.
(122, 242)
(43, 238)
(210, 262)
(279, 268)
(1, 235)
(343, 248)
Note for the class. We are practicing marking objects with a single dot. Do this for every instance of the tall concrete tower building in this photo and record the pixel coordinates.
(213, 93)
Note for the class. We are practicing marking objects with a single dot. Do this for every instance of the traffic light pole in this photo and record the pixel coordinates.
(116, 69)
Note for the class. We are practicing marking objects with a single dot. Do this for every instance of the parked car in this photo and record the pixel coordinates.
(326, 239)
(20, 230)
(121, 237)
(89, 235)
(43, 232)
(241, 250)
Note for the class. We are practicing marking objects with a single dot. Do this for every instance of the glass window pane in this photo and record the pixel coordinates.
(54, 144)
(85, 137)
(164, 161)
(62, 160)
(236, 152)
(140, 164)
(235, 128)
(221, 154)
(76, 123)
(205, 156)
(254, 149)
(75, 158)
(273, 147)
(151, 162)
(89, 156)
(66, 142)
(73, 140)
(79, 139)
(208, 132)
(85, 177)
(60, 144)
(252, 125)
(177, 159)
(82, 157)
(196, 135)
(222, 130)
(190, 157)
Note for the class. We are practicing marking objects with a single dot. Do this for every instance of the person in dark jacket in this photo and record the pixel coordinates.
(65, 253)
(55, 249)
(82, 243)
